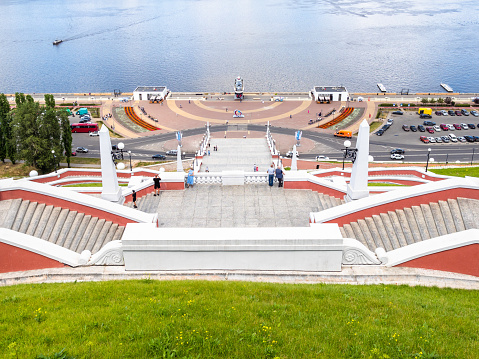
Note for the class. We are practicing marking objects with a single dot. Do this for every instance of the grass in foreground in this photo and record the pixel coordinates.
(458, 172)
(199, 319)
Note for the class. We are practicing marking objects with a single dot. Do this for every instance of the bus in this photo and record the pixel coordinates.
(84, 127)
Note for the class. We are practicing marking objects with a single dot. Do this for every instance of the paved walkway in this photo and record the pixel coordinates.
(237, 154)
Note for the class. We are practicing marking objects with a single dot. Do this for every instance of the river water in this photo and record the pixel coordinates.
(202, 45)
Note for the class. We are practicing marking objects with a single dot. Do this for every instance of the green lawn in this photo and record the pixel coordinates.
(200, 319)
(459, 172)
(381, 184)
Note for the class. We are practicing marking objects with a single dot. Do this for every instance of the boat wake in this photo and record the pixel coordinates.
(112, 29)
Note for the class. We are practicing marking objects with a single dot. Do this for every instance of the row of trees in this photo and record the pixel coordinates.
(38, 134)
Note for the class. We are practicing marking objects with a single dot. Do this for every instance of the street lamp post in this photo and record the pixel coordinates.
(54, 161)
(428, 154)
(121, 146)
(347, 144)
(472, 158)
(129, 154)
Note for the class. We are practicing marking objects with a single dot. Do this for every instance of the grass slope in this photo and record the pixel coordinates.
(199, 319)
(458, 172)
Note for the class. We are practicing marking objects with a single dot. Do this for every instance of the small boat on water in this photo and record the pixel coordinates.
(239, 88)
(446, 87)
(57, 42)
(381, 88)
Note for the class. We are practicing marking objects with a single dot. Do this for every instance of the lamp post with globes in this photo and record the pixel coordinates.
(54, 161)
(121, 146)
(347, 144)
(428, 154)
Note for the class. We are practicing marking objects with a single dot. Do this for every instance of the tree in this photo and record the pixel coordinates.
(66, 135)
(448, 100)
(4, 110)
(49, 101)
(440, 100)
(424, 100)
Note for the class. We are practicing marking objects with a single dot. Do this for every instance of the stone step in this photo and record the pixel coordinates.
(348, 231)
(438, 219)
(35, 220)
(411, 220)
(397, 229)
(88, 233)
(43, 222)
(62, 236)
(456, 215)
(28, 217)
(429, 219)
(469, 210)
(51, 223)
(101, 236)
(80, 233)
(20, 215)
(4, 208)
(73, 230)
(9, 218)
(95, 234)
(421, 223)
(384, 238)
(358, 234)
(118, 233)
(388, 227)
(447, 216)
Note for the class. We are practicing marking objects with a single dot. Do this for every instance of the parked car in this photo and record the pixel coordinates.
(114, 148)
(397, 156)
(413, 128)
(421, 128)
(471, 126)
(438, 113)
(453, 137)
(437, 128)
(424, 139)
(158, 157)
(289, 154)
(390, 121)
(444, 112)
(82, 150)
(95, 133)
(398, 151)
(438, 140)
(451, 127)
(428, 123)
(474, 113)
(430, 129)
(73, 153)
(431, 139)
(451, 113)
(464, 126)
(424, 115)
(457, 126)
(445, 139)
(379, 132)
(444, 127)
(321, 158)
(469, 138)
(172, 152)
(84, 120)
(458, 113)
(465, 112)
(461, 139)
(405, 128)
(398, 112)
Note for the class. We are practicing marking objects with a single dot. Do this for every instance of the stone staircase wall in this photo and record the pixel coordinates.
(396, 229)
(69, 229)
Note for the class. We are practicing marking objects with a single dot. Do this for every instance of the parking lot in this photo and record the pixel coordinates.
(396, 137)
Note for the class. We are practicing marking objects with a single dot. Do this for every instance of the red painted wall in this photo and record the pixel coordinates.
(314, 187)
(463, 260)
(407, 202)
(14, 259)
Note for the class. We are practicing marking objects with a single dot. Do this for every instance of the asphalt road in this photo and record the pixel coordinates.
(380, 146)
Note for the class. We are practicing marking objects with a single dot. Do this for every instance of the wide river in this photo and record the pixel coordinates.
(202, 45)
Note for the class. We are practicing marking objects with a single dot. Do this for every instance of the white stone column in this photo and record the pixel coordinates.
(358, 186)
(111, 191)
(294, 160)
(179, 163)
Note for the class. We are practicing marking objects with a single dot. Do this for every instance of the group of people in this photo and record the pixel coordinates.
(272, 172)
(156, 185)
(106, 117)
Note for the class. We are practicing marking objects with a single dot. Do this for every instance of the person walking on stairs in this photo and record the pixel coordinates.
(279, 175)
(133, 197)
(156, 181)
(270, 173)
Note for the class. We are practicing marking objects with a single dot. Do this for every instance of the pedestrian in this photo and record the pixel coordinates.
(227, 109)
(279, 175)
(290, 116)
(190, 179)
(208, 152)
(270, 173)
(255, 169)
(207, 169)
(133, 197)
(189, 101)
(156, 181)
